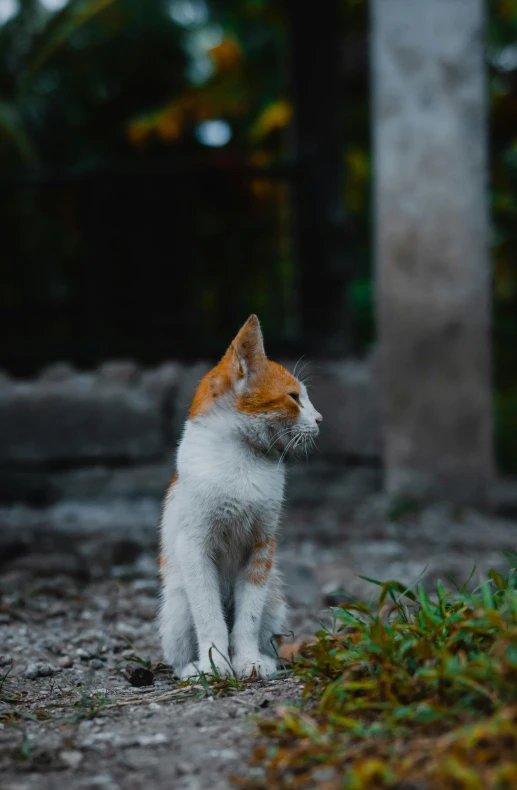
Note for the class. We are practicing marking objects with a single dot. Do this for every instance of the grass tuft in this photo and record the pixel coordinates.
(416, 690)
(215, 685)
(89, 706)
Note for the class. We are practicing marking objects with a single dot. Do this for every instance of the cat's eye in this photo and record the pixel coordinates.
(295, 396)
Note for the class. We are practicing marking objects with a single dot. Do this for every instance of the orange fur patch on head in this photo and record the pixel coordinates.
(271, 393)
(244, 356)
(269, 386)
(217, 382)
(261, 561)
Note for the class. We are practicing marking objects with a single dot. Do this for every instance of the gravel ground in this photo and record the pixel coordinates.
(76, 610)
(70, 715)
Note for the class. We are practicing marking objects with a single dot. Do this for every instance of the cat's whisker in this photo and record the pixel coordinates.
(287, 448)
(299, 441)
(277, 437)
(283, 452)
(294, 371)
(305, 365)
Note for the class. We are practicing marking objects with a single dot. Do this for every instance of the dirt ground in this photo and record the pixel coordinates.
(71, 633)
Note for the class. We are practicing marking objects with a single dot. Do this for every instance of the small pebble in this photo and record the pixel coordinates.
(71, 758)
(65, 662)
(141, 677)
(83, 654)
(96, 663)
(156, 739)
(39, 670)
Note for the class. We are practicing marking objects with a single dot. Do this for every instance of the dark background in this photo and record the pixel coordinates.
(132, 226)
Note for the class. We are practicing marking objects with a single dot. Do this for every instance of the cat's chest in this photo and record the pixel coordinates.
(235, 516)
(243, 497)
(232, 486)
(235, 523)
(244, 512)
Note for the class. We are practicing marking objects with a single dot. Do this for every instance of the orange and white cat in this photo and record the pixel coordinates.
(222, 598)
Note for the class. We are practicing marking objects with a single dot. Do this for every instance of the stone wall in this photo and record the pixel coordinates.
(113, 432)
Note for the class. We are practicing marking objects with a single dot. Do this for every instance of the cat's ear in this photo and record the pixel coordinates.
(248, 355)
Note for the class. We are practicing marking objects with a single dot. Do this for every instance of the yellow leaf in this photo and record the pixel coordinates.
(274, 117)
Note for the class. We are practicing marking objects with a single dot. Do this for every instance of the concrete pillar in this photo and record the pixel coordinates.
(431, 246)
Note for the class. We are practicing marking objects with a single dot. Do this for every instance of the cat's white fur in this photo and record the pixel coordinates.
(230, 484)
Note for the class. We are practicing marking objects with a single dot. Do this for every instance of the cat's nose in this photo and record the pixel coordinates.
(319, 419)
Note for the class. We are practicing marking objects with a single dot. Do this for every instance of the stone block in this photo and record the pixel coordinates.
(103, 483)
(78, 419)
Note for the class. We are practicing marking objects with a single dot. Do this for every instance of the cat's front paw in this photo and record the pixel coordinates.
(254, 666)
(205, 667)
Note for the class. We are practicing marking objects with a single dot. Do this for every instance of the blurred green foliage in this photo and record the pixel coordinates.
(130, 83)
(70, 80)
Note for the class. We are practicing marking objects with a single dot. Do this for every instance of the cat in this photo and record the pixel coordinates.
(222, 600)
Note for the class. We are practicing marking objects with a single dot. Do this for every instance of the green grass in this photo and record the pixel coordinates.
(89, 706)
(416, 690)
